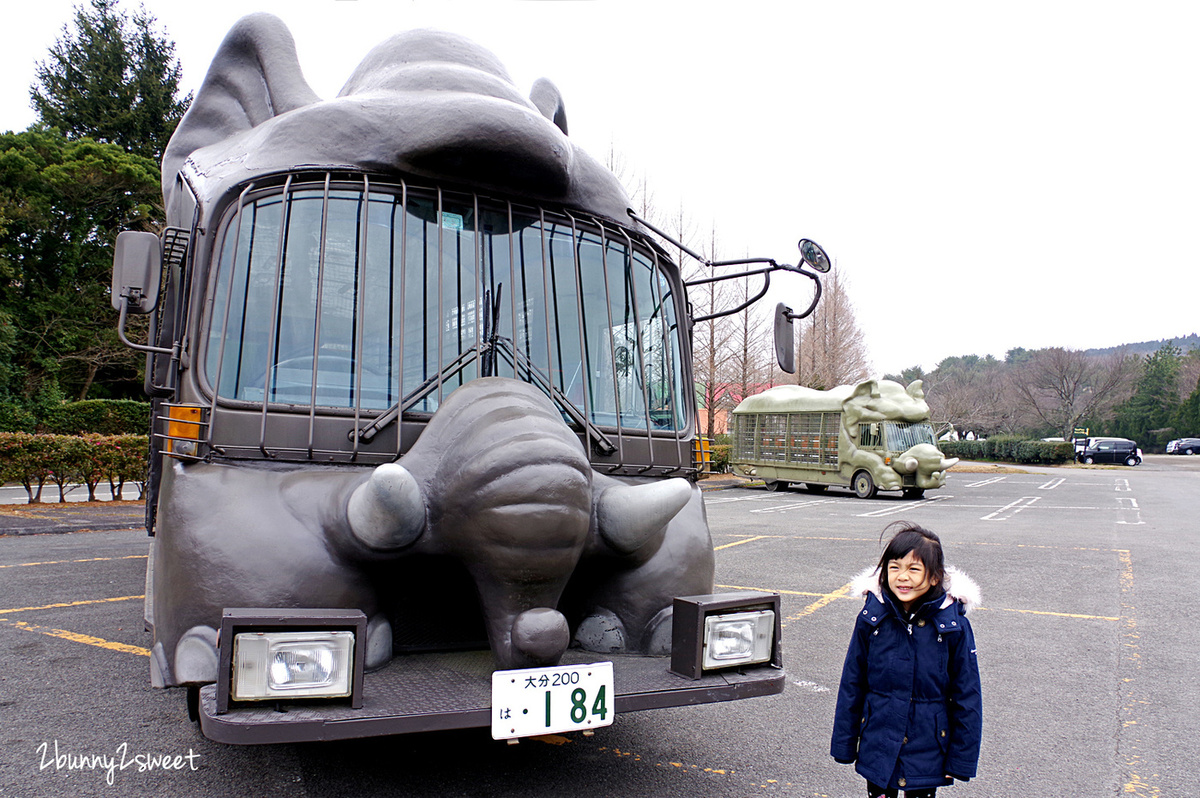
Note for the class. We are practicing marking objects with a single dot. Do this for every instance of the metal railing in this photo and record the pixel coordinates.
(396, 294)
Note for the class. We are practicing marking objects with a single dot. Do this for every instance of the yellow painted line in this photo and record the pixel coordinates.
(551, 739)
(1038, 546)
(844, 593)
(1136, 783)
(1058, 614)
(740, 542)
(64, 562)
(768, 590)
(71, 604)
(957, 543)
(828, 598)
(75, 637)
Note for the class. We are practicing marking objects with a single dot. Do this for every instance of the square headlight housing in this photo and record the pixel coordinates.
(281, 655)
(725, 631)
(740, 638)
(271, 665)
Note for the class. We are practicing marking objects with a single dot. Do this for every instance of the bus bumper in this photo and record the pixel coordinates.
(435, 692)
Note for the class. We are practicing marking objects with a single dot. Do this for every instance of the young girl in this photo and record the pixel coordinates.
(908, 708)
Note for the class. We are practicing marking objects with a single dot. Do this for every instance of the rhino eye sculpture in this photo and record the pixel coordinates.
(497, 497)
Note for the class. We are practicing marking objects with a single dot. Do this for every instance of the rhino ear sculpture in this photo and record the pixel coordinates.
(916, 390)
(546, 98)
(631, 516)
(255, 76)
(868, 388)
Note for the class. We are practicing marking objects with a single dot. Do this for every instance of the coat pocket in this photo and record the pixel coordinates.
(942, 730)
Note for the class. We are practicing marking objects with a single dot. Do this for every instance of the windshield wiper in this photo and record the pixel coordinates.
(601, 443)
(486, 352)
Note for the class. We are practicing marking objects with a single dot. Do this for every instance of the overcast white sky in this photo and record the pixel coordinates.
(986, 176)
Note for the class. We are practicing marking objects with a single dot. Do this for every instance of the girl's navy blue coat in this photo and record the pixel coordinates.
(909, 708)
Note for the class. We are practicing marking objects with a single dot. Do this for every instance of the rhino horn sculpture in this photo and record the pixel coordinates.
(927, 462)
(631, 517)
(387, 512)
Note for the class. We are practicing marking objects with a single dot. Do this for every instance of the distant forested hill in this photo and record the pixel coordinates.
(1186, 343)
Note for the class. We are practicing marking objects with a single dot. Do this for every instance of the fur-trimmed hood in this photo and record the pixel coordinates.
(958, 587)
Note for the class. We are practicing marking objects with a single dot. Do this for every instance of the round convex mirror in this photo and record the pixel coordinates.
(814, 256)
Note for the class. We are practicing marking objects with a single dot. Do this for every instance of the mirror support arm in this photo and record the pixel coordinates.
(158, 350)
(766, 284)
(811, 307)
(765, 271)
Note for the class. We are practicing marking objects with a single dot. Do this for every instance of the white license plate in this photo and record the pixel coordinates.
(561, 698)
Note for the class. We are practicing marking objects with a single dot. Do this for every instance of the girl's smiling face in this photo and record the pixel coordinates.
(908, 579)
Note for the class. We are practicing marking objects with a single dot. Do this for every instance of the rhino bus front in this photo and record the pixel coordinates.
(422, 455)
(358, 432)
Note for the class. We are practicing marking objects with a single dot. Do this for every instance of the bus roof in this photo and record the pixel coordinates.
(796, 399)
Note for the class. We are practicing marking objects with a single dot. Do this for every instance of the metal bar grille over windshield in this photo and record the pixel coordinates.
(337, 298)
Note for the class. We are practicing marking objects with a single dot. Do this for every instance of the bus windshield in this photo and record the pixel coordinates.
(347, 296)
(902, 436)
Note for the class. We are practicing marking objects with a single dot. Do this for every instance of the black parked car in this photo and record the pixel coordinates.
(1111, 450)
(1184, 446)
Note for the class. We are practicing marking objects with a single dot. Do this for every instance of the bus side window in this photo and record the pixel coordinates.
(868, 435)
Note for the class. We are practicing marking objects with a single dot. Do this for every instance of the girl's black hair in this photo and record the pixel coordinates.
(924, 545)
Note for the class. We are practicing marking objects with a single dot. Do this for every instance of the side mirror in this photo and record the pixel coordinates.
(137, 271)
(814, 256)
(785, 338)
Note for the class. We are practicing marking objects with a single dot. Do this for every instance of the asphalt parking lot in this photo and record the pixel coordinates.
(1090, 681)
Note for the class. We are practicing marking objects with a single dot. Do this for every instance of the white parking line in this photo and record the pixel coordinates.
(985, 482)
(1137, 513)
(812, 687)
(727, 500)
(1052, 484)
(1011, 509)
(794, 506)
(904, 507)
(1122, 486)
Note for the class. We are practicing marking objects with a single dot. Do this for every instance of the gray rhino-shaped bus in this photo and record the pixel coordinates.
(423, 418)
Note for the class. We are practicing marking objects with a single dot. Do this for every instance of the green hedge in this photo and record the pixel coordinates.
(15, 418)
(1011, 449)
(720, 458)
(34, 460)
(100, 416)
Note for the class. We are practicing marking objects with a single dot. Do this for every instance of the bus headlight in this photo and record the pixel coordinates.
(289, 654)
(743, 638)
(270, 665)
(726, 630)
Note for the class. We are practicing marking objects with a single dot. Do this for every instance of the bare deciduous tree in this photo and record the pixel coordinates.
(1062, 387)
(971, 394)
(1189, 374)
(831, 350)
(712, 340)
(749, 364)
